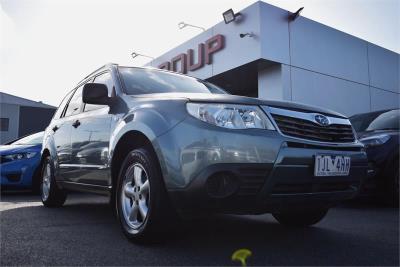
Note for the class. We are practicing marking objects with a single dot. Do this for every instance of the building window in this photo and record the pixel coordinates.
(4, 122)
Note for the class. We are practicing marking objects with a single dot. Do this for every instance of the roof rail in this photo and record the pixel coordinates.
(93, 72)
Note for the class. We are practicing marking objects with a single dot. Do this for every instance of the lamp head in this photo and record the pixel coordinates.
(182, 25)
(230, 16)
(134, 54)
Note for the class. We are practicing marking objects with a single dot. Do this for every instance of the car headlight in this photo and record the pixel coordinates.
(375, 140)
(18, 156)
(230, 115)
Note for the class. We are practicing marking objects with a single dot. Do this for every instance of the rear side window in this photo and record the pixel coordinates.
(104, 78)
(60, 109)
(74, 105)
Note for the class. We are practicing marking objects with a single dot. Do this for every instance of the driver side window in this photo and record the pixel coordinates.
(74, 105)
(61, 108)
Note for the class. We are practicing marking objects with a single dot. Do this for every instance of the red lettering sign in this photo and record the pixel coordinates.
(200, 58)
(182, 59)
(205, 53)
(213, 45)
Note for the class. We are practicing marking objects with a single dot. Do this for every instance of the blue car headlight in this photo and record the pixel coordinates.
(375, 140)
(230, 116)
(17, 156)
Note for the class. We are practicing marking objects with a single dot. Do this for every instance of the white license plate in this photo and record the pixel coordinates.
(331, 165)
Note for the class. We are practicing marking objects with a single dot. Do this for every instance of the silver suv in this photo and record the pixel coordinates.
(160, 143)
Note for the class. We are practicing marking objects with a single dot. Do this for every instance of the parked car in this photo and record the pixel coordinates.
(19, 162)
(379, 131)
(167, 143)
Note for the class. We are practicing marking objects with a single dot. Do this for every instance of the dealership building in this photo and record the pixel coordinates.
(20, 117)
(268, 54)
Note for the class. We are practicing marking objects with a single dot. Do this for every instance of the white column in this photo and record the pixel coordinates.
(274, 83)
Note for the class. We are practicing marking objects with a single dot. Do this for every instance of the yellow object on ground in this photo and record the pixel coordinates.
(241, 255)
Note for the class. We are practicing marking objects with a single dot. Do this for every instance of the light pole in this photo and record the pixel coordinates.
(135, 55)
(182, 25)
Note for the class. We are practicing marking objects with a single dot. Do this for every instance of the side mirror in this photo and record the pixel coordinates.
(95, 93)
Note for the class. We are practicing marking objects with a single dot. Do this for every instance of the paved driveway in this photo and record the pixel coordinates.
(84, 232)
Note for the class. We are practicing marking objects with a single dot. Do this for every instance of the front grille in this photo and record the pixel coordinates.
(329, 147)
(296, 127)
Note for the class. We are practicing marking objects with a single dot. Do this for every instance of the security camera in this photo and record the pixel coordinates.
(248, 34)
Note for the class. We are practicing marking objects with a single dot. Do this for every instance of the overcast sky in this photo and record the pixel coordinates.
(47, 46)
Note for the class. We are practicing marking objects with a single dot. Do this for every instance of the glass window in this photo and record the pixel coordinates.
(4, 124)
(34, 139)
(381, 120)
(74, 105)
(60, 109)
(148, 81)
(104, 78)
(385, 121)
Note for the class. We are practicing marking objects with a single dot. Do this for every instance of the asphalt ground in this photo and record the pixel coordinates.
(85, 232)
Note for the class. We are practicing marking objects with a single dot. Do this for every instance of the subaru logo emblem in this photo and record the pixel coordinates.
(322, 120)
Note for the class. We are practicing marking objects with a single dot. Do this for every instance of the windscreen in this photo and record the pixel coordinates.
(139, 81)
(34, 139)
(381, 120)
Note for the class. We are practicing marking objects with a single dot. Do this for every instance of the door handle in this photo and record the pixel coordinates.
(55, 128)
(76, 124)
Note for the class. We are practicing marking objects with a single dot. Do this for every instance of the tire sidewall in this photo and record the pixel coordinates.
(57, 196)
(45, 162)
(143, 157)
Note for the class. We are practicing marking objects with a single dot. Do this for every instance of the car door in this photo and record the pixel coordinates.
(71, 114)
(61, 135)
(90, 137)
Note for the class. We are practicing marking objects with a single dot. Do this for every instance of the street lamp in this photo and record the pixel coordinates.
(230, 16)
(135, 54)
(182, 25)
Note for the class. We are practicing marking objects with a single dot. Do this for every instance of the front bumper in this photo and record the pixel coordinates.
(18, 174)
(270, 172)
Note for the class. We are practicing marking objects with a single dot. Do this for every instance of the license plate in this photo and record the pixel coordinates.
(331, 165)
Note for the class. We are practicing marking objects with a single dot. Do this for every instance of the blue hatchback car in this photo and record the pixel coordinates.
(19, 162)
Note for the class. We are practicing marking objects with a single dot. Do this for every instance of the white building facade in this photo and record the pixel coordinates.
(280, 59)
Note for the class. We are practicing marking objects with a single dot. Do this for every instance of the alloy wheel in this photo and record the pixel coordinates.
(46, 178)
(135, 196)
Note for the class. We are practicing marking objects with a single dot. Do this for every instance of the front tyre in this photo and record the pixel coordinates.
(51, 194)
(300, 219)
(141, 200)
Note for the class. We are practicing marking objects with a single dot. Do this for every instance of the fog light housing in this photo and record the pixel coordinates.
(222, 184)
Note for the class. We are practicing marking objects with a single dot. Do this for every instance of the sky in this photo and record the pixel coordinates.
(47, 46)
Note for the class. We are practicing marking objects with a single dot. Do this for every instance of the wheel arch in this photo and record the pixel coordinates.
(130, 140)
(45, 153)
